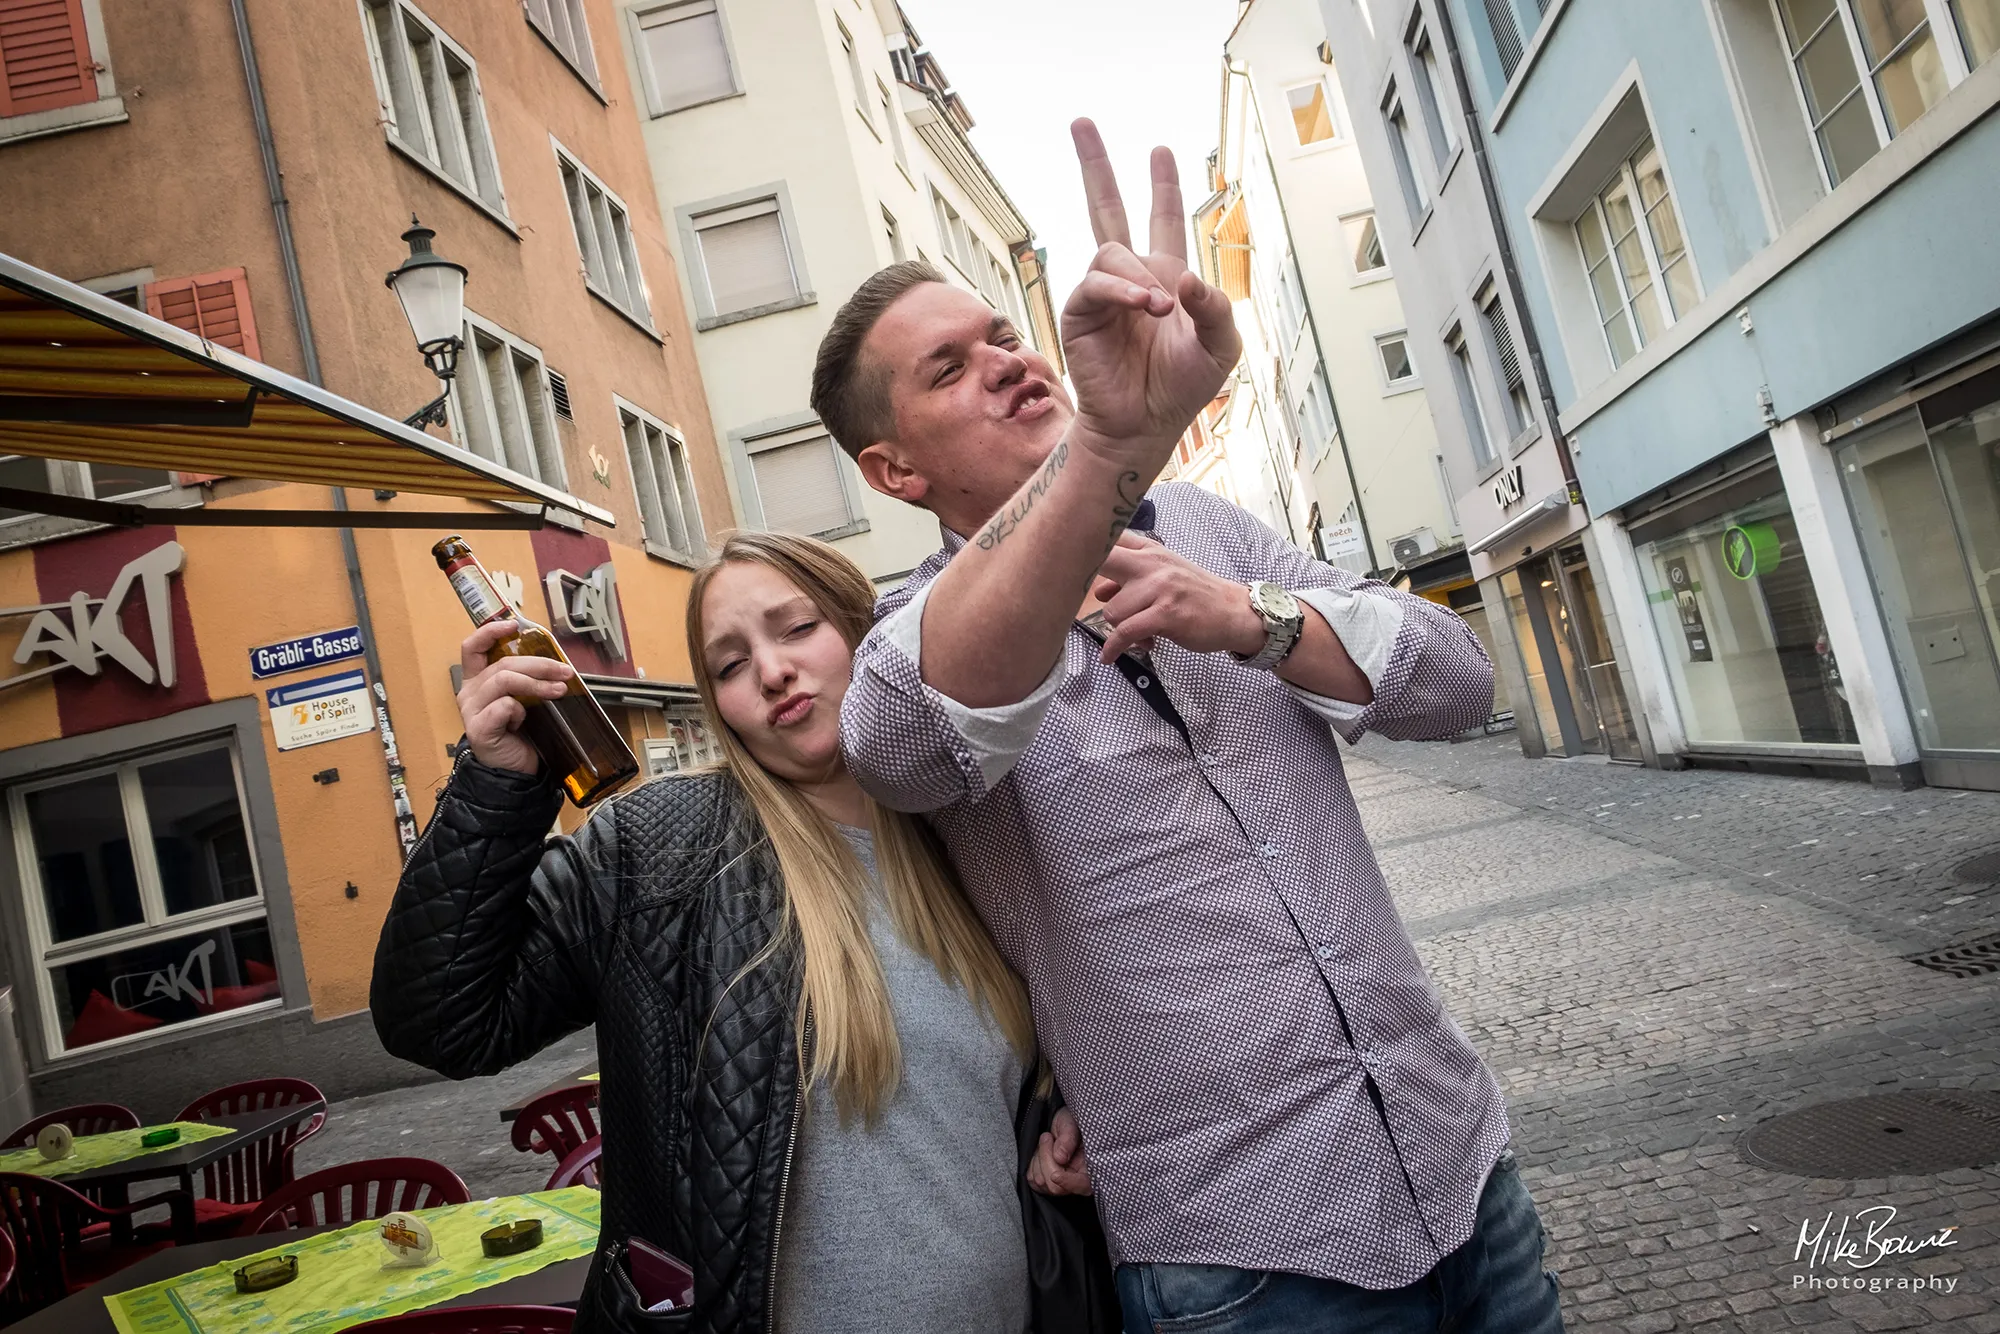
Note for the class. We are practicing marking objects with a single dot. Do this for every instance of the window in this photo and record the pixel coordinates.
(687, 745)
(1978, 28)
(1291, 302)
(1640, 271)
(1424, 74)
(894, 120)
(430, 98)
(604, 238)
(1414, 197)
(953, 236)
(561, 21)
(1832, 41)
(683, 57)
(799, 485)
(855, 80)
(500, 405)
(1398, 371)
(1312, 114)
(1316, 415)
(746, 262)
(895, 235)
(668, 509)
(92, 481)
(1364, 245)
(1484, 453)
(1506, 364)
(144, 906)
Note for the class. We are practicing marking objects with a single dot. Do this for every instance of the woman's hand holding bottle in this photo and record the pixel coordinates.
(489, 701)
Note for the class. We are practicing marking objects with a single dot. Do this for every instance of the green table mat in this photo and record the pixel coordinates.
(588, 1078)
(114, 1146)
(342, 1282)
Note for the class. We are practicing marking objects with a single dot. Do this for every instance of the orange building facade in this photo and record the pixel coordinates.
(204, 817)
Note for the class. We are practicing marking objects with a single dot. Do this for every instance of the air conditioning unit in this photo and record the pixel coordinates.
(1413, 546)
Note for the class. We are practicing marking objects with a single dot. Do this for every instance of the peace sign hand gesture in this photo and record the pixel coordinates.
(1148, 342)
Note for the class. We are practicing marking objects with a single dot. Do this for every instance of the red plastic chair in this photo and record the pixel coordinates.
(232, 1188)
(475, 1320)
(53, 1256)
(581, 1167)
(7, 1311)
(557, 1123)
(354, 1191)
(87, 1118)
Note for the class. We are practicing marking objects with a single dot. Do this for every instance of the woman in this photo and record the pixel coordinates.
(819, 1081)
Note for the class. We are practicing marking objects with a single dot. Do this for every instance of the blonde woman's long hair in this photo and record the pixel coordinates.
(845, 997)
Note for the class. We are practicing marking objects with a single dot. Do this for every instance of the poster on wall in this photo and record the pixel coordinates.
(1692, 626)
(326, 708)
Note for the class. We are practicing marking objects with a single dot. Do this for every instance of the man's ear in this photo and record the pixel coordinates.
(890, 473)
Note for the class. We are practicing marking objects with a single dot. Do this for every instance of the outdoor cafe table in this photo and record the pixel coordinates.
(113, 1181)
(585, 1076)
(86, 1313)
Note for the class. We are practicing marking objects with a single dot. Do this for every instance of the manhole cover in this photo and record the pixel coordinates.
(1979, 870)
(1969, 958)
(1917, 1133)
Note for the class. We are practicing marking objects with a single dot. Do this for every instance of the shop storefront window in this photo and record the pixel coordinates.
(1927, 505)
(144, 906)
(1739, 620)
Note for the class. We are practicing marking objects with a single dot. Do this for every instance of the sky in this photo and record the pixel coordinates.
(1147, 71)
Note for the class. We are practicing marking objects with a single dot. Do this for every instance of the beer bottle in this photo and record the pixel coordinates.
(571, 733)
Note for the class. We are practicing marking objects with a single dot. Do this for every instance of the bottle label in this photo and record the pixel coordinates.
(482, 603)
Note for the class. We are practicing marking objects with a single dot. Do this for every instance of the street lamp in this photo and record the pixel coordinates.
(432, 290)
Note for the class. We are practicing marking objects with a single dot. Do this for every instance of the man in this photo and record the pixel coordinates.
(1123, 741)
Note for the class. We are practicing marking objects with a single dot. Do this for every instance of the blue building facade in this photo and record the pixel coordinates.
(1760, 240)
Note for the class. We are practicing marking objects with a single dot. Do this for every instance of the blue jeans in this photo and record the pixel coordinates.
(1493, 1284)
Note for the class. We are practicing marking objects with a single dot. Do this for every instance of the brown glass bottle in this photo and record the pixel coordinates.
(570, 733)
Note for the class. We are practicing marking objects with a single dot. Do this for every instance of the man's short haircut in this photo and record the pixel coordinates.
(850, 398)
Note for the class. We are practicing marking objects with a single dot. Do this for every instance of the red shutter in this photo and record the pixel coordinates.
(44, 56)
(215, 306)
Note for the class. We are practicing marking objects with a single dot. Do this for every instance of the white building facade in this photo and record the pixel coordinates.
(797, 147)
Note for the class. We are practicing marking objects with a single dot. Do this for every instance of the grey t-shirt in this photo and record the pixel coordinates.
(914, 1226)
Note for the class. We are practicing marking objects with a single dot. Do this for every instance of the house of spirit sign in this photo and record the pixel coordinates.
(92, 630)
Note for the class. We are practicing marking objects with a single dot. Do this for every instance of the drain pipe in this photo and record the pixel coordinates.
(1509, 270)
(288, 255)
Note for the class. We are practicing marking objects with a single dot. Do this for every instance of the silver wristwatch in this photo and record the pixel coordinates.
(1284, 621)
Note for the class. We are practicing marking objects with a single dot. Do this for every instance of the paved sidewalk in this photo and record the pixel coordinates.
(1652, 963)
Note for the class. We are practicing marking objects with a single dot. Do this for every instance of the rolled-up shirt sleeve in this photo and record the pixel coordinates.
(914, 748)
(1430, 674)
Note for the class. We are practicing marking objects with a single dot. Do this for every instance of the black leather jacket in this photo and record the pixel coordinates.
(499, 943)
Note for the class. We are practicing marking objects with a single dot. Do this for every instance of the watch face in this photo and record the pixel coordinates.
(1273, 602)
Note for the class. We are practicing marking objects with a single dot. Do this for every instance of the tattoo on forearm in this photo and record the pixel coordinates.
(1131, 490)
(1009, 518)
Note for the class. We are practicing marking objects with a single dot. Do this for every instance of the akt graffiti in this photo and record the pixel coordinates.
(88, 636)
(170, 982)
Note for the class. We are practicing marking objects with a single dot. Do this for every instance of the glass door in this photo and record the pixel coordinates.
(1927, 504)
(1583, 616)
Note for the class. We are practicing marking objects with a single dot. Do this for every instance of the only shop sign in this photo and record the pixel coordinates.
(1750, 549)
(327, 708)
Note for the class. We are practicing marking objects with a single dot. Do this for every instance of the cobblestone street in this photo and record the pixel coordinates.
(1652, 963)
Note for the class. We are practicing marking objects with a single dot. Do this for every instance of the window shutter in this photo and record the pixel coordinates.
(44, 56)
(799, 485)
(685, 48)
(1506, 35)
(1503, 342)
(215, 306)
(747, 263)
